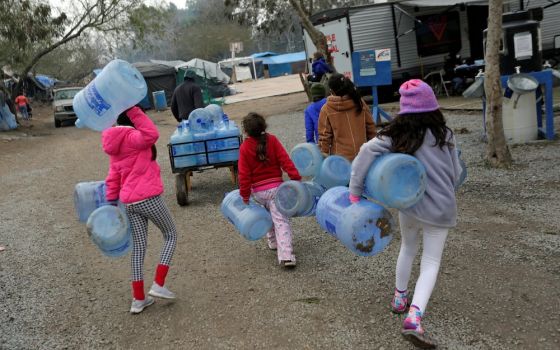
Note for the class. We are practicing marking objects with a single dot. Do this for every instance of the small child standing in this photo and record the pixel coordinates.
(22, 102)
(134, 178)
(262, 158)
(419, 130)
(311, 113)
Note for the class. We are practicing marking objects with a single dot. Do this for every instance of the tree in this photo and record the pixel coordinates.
(497, 151)
(35, 29)
(270, 15)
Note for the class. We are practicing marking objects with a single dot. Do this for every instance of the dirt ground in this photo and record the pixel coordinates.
(498, 287)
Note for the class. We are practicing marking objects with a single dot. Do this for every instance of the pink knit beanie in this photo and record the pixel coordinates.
(417, 97)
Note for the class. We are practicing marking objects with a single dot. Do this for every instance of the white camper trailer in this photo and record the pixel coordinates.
(420, 33)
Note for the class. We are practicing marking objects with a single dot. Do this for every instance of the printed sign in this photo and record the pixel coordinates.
(523, 45)
(367, 63)
(383, 55)
(95, 101)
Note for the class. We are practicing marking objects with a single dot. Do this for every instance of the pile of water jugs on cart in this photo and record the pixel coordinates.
(207, 137)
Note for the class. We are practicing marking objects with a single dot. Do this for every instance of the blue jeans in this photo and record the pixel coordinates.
(23, 111)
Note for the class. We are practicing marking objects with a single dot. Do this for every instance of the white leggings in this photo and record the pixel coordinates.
(434, 241)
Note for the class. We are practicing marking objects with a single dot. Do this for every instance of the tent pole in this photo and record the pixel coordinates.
(254, 68)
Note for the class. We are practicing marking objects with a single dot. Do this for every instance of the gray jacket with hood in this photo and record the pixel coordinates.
(438, 207)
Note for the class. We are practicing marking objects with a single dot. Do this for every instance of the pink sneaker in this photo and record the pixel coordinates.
(399, 304)
(413, 331)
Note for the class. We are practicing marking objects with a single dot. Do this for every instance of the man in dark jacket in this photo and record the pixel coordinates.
(186, 98)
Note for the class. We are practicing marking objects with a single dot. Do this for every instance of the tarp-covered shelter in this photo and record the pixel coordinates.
(254, 65)
(159, 77)
(283, 64)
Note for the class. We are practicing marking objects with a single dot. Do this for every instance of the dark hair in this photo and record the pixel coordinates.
(342, 86)
(254, 125)
(407, 131)
(124, 120)
(317, 55)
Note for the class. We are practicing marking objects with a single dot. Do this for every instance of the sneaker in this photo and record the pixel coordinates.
(272, 245)
(139, 305)
(400, 303)
(413, 331)
(161, 292)
(288, 263)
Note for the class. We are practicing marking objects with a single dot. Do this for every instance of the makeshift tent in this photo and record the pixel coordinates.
(278, 65)
(159, 77)
(254, 64)
(207, 69)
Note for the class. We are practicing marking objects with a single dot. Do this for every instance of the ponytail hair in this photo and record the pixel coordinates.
(254, 125)
(342, 86)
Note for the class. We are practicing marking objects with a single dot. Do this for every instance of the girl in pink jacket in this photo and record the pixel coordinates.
(134, 179)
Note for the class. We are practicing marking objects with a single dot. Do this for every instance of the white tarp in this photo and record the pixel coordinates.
(421, 3)
(212, 69)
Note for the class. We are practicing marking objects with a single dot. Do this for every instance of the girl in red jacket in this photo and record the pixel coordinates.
(261, 161)
(134, 179)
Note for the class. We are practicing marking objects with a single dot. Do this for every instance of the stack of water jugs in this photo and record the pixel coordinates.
(207, 137)
(118, 87)
(107, 225)
(366, 228)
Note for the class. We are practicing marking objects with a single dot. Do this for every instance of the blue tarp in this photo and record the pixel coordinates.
(264, 54)
(285, 58)
(46, 81)
(280, 64)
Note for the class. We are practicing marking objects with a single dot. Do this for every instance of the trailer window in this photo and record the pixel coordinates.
(438, 34)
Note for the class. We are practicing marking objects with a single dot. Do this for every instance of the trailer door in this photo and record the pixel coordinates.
(338, 40)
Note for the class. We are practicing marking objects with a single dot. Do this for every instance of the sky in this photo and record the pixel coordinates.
(179, 3)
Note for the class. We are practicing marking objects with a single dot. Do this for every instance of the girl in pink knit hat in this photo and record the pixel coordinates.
(419, 130)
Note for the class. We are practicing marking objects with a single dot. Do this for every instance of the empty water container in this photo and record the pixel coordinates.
(216, 113)
(396, 180)
(307, 158)
(200, 120)
(295, 198)
(109, 229)
(118, 87)
(335, 171)
(252, 221)
(88, 196)
(365, 228)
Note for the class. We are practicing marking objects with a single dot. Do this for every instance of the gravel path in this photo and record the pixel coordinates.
(498, 287)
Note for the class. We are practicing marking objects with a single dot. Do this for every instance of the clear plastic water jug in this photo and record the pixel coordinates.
(88, 196)
(200, 120)
(295, 198)
(227, 143)
(118, 87)
(109, 229)
(252, 221)
(202, 147)
(365, 228)
(181, 151)
(396, 180)
(216, 113)
(307, 158)
(335, 171)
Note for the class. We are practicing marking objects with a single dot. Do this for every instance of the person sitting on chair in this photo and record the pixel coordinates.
(319, 67)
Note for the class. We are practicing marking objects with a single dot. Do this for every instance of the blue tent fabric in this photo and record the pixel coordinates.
(283, 64)
(46, 81)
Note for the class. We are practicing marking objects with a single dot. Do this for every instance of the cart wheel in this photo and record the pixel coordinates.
(234, 175)
(181, 189)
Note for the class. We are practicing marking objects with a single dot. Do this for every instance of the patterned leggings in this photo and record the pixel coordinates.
(156, 211)
(280, 236)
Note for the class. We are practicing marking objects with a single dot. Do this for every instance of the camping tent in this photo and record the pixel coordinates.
(278, 65)
(159, 77)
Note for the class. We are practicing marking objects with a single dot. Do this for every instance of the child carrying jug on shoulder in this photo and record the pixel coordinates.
(418, 130)
(262, 158)
(134, 178)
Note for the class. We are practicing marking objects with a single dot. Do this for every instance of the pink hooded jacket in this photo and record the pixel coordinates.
(133, 175)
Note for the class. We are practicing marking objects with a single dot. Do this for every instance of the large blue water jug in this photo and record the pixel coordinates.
(252, 221)
(160, 102)
(88, 196)
(200, 120)
(118, 87)
(109, 229)
(365, 228)
(295, 198)
(335, 171)
(227, 143)
(203, 147)
(307, 158)
(217, 114)
(179, 149)
(396, 180)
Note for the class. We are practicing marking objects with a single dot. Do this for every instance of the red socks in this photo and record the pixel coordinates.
(138, 290)
(161, 273)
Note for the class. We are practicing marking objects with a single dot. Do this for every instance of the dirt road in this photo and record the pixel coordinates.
(498, 287)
